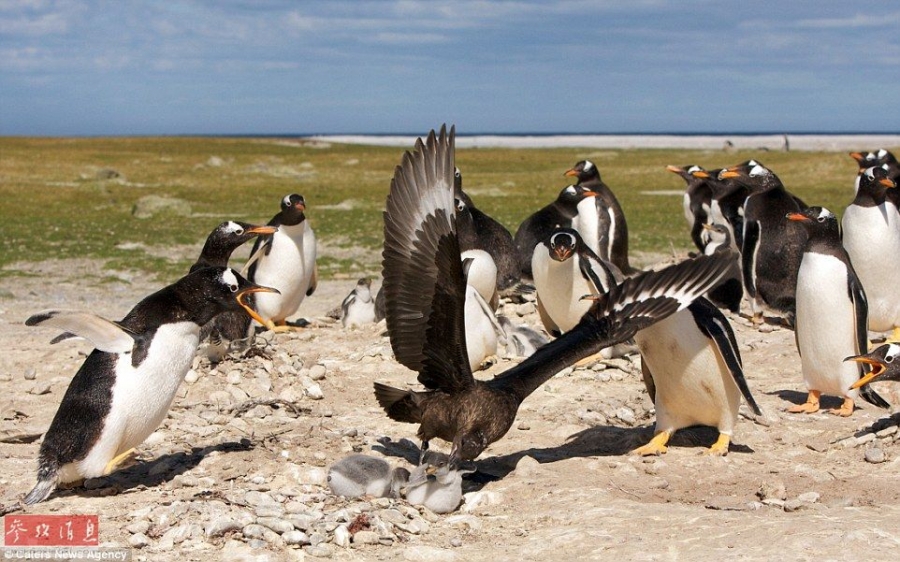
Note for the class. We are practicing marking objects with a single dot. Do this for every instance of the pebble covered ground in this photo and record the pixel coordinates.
(237, 471)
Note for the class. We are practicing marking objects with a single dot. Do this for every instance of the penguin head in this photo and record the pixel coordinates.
(225, 239)
(210, 291)
(293, 208)
(572, 195)
(689, 173)
(883, 363)
(717, 234)
(818, 221)
(584, 170)
(457, 180)
(562, 244)
(875, 181)
(751, 174)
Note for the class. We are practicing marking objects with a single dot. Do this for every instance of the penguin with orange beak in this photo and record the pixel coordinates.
(831, 316)
(881, 362)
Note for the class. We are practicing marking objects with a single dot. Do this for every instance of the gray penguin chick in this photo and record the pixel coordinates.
(435, 485)
(361, 475)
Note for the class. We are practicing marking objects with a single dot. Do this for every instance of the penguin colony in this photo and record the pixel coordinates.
(447, 264)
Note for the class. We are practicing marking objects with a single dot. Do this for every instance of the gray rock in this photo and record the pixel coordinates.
(254, 531)
(365, 537)
(317, 372)
(138, 540)
(875, 455)
(221, 525)
(295, 537)
(277, 525)
(318, 551)
(269, 510)
(341, 536)
(138, 527)
(809, 497)
(772, 490)
(793, 505)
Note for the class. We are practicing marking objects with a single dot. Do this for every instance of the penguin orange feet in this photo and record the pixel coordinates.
(121, 461)
(846, 409)
(656, 446)
(811, 406)
(720, 447)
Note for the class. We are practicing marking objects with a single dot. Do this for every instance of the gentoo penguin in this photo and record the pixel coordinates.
(565, 269)
(482, 328)
(727, 205)
(521, 340)
(694, 375)
(124, 388)
(436, 484)
(881, 362)
(731, 291)
(611, 216)
(285, 260)
(358, 307)
(362, 475)
(697, 200)
(831, 315)
(478, 231)
(539, 225)
(425, 289)
(871, 235)
(227, 327)
(225, 239)
(880, 157)
(772, 247)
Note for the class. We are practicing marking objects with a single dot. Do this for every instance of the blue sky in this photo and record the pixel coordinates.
(275, 66)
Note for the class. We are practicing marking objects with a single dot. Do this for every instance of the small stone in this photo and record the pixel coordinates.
(138, 540)
(317, 372)
(30, 374)
(341, 536)
(626, 415)
(269, 510)
(523, 425)
(863, 439)
(295, 537)
(886, 431)
(191, 377)
(365, 537)
(774, 502)
(476, 500)
(234, 377)
(793, 505)
(809, 497)
(772, 490)
(456, 542)
(138, 527)
(875, 455)
(277, 525)
(314, 391)
(221, 525)
(316, 476)
(254, 531)
(318, 551)
(40, 389)
(257, 498)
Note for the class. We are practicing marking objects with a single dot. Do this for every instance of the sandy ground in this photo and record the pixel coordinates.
(562, 485)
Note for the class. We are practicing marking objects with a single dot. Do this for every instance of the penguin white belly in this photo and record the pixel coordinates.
(587, 223)
(288, 267)
(693, 384)
(825, 326)
(481, 338)
(359, 314)
(716, 217)
(436, 496)
(140, 397)
(686, 205)
(560, 287)
(871, 236)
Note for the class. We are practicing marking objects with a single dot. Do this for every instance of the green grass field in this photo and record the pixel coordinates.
(56, 203)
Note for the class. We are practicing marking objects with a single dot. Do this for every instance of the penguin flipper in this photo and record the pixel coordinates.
(715, 326)
(648, 380)
(313, 281)
(104, 334)
(548, 322)
(748, 256)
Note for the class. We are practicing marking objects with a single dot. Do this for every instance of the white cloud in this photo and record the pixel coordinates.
(855, 21)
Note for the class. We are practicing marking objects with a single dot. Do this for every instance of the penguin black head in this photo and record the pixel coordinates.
(457, 180)
(818, 221)
(751, 174)
(875, 181)
(572, 195)
(690, 173)
(882, 362)
(584, 170)
(562, 243)
(293, 207)
(225, 239)
(868, 159)
(210, 291)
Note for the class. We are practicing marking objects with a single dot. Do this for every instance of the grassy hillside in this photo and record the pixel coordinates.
(60, 201)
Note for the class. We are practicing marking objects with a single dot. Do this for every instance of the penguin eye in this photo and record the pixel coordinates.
(888, 358)
(460, 205)
(232, 287)
(239, 231)
(820, 219)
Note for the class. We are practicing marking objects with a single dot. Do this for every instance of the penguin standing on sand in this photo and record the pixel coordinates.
(772, 247)
(831, 316)
(535, 228)
(285, 260)
(697, 200)
(694, 375)
(124, 388)
(565, 269)
(478, 231)
(358, 307)
(871, 235)
(614, 230)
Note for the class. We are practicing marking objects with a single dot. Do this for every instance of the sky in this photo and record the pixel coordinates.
(175, 67)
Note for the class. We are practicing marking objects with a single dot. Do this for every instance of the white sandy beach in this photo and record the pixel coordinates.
(700, 142)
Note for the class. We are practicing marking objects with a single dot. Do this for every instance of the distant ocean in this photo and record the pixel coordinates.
(750, 141)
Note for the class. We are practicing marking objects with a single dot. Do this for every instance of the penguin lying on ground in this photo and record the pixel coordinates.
(362, 475)
(831, 315)
(124, 388)
(285, 260)
(436, 484)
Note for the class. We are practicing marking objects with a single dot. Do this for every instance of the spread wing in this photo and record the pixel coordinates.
(628, 307)
(103, 334)
(424, 285)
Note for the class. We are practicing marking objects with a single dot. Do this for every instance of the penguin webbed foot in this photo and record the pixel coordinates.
(846, 409)
(720, 447)
(811, 405)
(656, 446)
